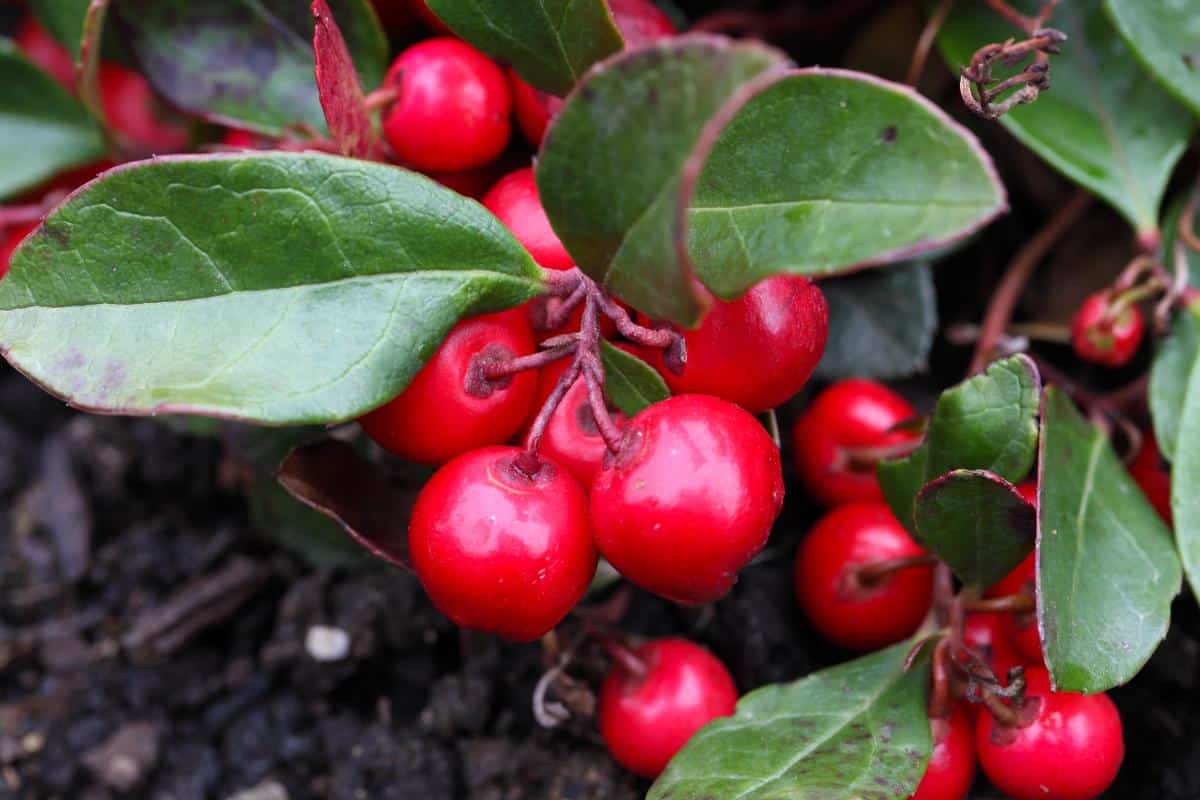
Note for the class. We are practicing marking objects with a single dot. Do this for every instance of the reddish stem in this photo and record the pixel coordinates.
(495, 370)
(873, 572)
(925, 42)
(1015, 604)
(629, 660)
(939, 695)
(384, 95)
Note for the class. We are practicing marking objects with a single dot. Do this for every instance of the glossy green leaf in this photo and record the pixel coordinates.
(817, 172)
(63, 19)
(988, 421)
(1107, 570)
(629, 382)
(977, 523)
(550, 43)
(881, 323)
(858, 730)
(43, 130)
(1165, 36)
(1102, 123)
(1175, 372)
(901, 480)
(246, 63)
(276, 288)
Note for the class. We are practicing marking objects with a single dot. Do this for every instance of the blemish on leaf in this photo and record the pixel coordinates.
(889, 134)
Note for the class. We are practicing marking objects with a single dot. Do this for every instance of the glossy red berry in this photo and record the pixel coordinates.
(1153, 475)
(450, 407)
(846, 610)
(951, 766)
(756, 351)
(134, 110)
(1070, 747)
(689, 499)
(44, 50)
(572, 438)
(840, 435)
(649, 709)
(515, 202)
(452, 107)
(499, 550)
(12, 237)
(533, 108)
(989, 637)
(1021, 629)
(1105, 338)
(641, 22)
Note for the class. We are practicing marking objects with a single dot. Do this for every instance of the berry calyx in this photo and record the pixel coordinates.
(451, 406)
(514, 200)
(651, 705)
(1153, 475)
(756, 351)
(1067, 746)
(452, 107)
(572, 437)
(849, 611)
(133, 109)
(1104, 331)
(44, 50)
(849, 427)
(689, 498)
(951, 767)
(501, 550)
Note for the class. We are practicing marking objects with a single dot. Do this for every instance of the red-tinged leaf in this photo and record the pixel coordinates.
(331, 477)
(341, 94)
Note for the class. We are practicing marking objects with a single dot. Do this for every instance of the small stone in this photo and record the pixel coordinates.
(125, 758)
(324, 643)
(267, 790)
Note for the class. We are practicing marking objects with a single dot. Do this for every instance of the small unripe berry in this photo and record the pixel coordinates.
(689, 498)
(1103, 337)
(452, 107)
(501, 550)
(646, 717)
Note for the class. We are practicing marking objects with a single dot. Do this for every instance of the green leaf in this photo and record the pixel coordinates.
(901, 479)
(43, 130)
(817, 172)
(279, 288)
(1165, 36)
(629, 382)
(1170, 232)
(1175, 380)
(1102, 124)
(977, 523)
(858, 730)
(550, 43)
(63, 19)
(881, 323)
(1107, 570)
(988, 422)
(246, 63)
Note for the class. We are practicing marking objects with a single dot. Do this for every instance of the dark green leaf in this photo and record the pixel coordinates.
(630, 383)
(901, 479)
(1107, 570)
(988, 422)
(43, 130)
(1175, 380)
(63, 19)
(819, 172)
(276, 288)
(246, 63)
(1102, 124)
(858, 730)
(550, 43)
(1164, 35)
(977, 523)
(1170, 234)
(881, 323)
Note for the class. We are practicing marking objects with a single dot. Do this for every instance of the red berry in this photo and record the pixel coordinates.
(134, 110)
(44, 50)
(452, 107)
(952, 763)
(647, 718)
(689, 499)
(758, 350)
(514, 200)
(850, 415)
(988, 636)
(534, 108)
(12, 237)
(450, 408)
(572, 438)
(499, 550)
(1103, 338)
(1069, 748)
(845, 610)
(641, 22)
(1153, 475)
(1028, 492)
(1021, 629)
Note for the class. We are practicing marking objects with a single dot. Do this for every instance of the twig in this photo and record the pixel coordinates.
(925, 43)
